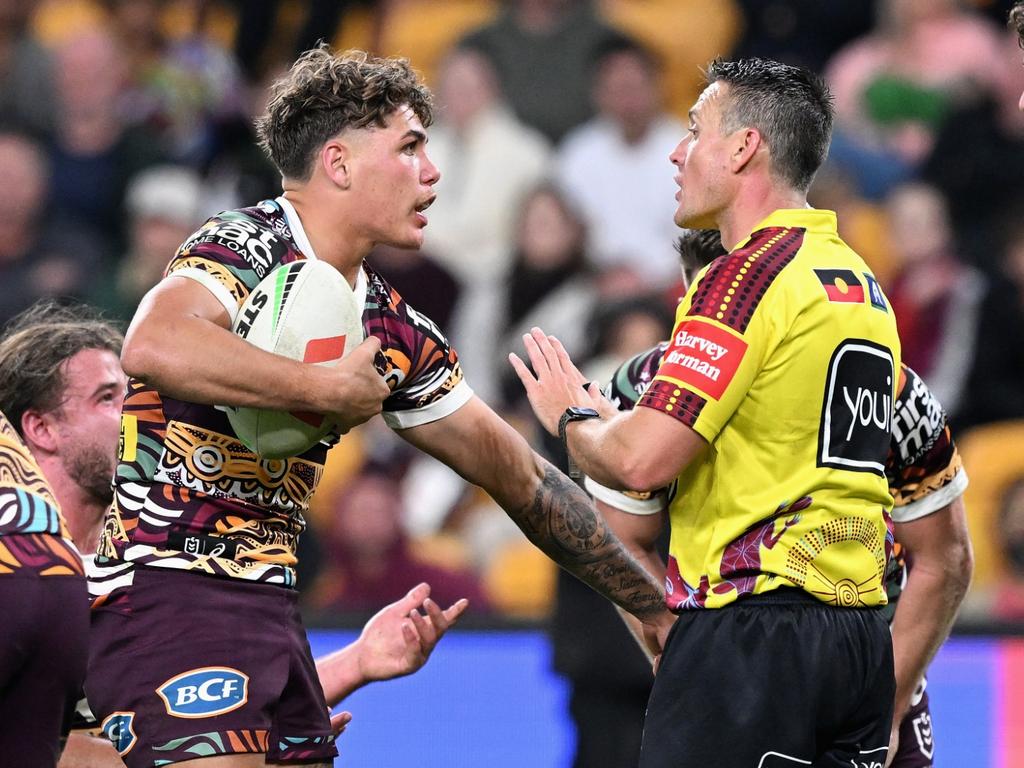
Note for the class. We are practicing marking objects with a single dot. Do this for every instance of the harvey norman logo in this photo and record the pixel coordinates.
(704, 356)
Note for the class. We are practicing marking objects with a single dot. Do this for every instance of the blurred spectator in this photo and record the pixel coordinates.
(616, 171)
(934, 295)
(1008, 600)
(41, 253)
(420, 280)
(542, 51)
(26, 71)
(683, 35)
(804, 33)
(625, 328)
(549, 285)
(95, 153)
(996, 379)
(488, 161)
(181, 89)
(163, 207)
(368, 558)
(895, 86)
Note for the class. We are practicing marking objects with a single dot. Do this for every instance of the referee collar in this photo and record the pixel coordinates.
(816, 220)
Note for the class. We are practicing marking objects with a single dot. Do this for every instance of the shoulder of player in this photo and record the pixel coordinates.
(257, 235)
(632, 378)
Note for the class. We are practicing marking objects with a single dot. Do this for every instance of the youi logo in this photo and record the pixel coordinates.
(118, 729)
(205, 692)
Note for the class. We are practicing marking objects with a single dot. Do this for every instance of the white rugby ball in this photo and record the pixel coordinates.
(305, 311)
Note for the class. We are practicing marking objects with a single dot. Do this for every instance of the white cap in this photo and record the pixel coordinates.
(171, 192)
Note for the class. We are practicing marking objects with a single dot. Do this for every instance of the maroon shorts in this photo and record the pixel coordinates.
(917, 743)
(183, 665)
(42, 663)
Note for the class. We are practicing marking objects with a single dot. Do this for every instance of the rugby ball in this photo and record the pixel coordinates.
(308, 312)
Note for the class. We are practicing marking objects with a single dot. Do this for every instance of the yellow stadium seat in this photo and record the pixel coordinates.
(994, 458)
(520, 581)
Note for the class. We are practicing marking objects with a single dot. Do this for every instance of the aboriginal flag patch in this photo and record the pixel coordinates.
(841, 286)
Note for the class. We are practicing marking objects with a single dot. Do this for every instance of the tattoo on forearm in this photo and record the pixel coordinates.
(562, 521)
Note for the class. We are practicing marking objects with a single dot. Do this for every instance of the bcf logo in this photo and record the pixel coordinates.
(205, 692)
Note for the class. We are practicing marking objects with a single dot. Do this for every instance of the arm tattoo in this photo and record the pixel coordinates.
(562, 522)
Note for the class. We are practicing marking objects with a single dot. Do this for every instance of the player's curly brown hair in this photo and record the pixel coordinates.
(324, 93)
(1017, 21)
(34, 348)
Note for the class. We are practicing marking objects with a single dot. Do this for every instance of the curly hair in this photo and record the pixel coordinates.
(324, 93)
(697, 248)
(1017, 21)
(34, 348)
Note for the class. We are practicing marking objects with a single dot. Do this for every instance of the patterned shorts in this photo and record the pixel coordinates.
(183, 666)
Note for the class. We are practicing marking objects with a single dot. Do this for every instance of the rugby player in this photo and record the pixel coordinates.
(62, 383)
(46, 617)
(780, 532)
(194, 571)
(927, 481)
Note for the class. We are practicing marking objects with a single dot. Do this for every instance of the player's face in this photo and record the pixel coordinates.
(701, 164)
(395, 180)
(88, 421)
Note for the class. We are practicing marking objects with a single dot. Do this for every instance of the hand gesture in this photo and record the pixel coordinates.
(360, 390)
(399, 639)
(555, 382)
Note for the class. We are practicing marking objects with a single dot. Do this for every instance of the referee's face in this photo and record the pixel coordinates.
(701, 164)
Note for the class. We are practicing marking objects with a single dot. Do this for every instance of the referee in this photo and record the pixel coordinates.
(772, 411)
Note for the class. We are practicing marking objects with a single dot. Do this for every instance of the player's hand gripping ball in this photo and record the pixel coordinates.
(308, 312)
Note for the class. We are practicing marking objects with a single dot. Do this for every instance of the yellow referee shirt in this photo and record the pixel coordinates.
(784, 358)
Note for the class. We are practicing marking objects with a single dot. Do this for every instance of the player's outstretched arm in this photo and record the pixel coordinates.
(396, 642)
(553, 512)
(179, 342)
(943, 563)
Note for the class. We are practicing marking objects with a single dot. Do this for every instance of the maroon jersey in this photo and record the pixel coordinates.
(189, 495)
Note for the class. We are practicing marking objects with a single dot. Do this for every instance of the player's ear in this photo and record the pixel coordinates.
(38, 431)
(745, 146)
(336, 159)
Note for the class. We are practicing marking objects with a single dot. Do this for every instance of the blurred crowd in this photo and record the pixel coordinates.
(125, 123)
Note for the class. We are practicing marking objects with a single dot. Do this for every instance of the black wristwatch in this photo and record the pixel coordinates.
(573, 413)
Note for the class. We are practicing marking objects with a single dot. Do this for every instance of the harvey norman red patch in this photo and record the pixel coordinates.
(703, 356)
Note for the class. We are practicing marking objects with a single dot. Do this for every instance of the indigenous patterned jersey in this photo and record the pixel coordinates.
(784, 357)
(189, 495)
(923, 469)
(33, 536)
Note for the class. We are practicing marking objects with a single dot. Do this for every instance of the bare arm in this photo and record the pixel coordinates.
(553, 512)
(396, 642)
(942, 563)
(639, 534)
(180, 343)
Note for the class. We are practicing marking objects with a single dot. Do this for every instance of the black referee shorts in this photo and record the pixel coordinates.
(772, 681)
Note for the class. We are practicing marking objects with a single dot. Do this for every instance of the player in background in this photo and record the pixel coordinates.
(43, 597)
(932, 562)
(197, 515)
(61, 380)
(780, 531)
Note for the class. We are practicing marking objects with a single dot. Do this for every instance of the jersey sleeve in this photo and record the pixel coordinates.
(924, 468)
(626, 387)
(422, 366)
(707, 370)
(229, 255)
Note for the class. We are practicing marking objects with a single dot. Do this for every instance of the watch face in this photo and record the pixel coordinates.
(575, 412)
